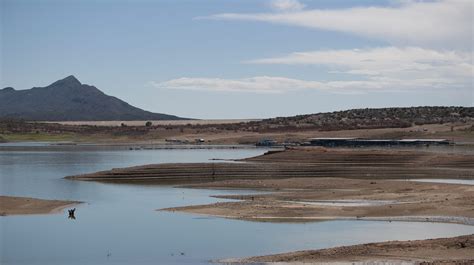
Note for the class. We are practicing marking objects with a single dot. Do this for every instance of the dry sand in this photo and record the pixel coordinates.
(155, 122)
(23, 205)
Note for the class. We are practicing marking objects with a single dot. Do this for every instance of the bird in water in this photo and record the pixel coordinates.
(71, 213)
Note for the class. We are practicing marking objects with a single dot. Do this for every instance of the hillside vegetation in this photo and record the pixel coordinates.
(457, 122)
(369, 118)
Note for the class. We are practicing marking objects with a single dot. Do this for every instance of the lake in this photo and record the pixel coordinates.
(118, 223)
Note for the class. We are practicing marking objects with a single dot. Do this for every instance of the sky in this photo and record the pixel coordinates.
(215, 59)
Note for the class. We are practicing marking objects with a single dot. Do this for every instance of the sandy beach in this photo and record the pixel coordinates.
(24, 205)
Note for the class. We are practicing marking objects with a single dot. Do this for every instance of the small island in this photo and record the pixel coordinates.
(23, 205)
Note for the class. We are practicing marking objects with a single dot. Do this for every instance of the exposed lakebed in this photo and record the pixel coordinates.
(118, 223)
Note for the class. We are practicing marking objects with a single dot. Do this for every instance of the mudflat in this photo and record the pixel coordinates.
(23, 205)
(312, 199)
(456, 250)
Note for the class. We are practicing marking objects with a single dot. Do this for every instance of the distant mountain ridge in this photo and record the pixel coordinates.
(70, 100)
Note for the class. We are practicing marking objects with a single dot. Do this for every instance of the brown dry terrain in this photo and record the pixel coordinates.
(457, 250)
(462, 133)
(304, 162)
(220, 134)
(23, 205)
(153, 122)
(453, 123)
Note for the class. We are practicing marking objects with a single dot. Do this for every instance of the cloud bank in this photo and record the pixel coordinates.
(386, 69)
(430, 50)
(444, 23)
(400, 63)
(258, 84)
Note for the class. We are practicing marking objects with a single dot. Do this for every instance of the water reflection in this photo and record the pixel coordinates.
(448, 181)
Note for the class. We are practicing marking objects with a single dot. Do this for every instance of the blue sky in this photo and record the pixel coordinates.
(246, 59)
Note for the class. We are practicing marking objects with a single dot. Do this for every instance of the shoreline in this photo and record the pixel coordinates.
(131, 146)
(454, 250)
(310, 162)
(11, 205)
(402, 201)
(360, 183)
(166, 145)
(319, 184)
(461, 220)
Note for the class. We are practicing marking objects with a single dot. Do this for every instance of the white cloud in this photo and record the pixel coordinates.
(386, 61)
(258, 84)
(431, 50)
(366, 70)
(443, 23)
(286, 5)
(390, 67)
(276, 85)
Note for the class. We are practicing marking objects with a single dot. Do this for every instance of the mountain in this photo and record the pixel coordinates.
(69, 100)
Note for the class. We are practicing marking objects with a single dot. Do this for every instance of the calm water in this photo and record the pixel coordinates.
(118, 224)
(448, 181)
